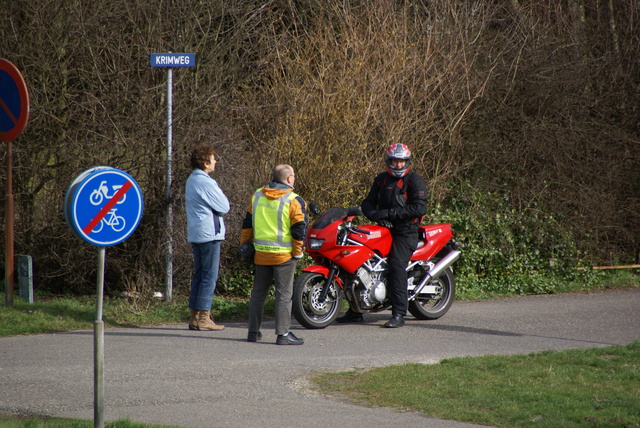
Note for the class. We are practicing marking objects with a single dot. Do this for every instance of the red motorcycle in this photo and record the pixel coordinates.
(352, 264)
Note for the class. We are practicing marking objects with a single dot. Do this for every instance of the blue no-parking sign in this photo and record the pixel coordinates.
(103, 206)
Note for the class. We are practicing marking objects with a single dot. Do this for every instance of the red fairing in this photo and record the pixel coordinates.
(348, 257)
(378, 240)
(433, 238)
(317, 269)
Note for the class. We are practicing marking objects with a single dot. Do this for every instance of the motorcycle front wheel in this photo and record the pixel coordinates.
(307, 308)
(433, 306)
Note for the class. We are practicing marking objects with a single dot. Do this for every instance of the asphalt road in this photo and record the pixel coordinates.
(170, 375)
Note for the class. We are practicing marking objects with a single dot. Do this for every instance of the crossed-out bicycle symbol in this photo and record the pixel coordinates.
(102, 192)
(116, 222)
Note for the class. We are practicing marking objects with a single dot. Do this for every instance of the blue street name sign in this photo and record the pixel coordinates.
(172, 60)
(103, 206)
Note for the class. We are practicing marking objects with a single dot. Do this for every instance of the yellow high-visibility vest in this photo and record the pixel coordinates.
(271, 223)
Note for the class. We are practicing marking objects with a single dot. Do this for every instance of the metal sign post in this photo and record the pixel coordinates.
(169, 61)
(98, 347)
(9, 265)
(168, 265)
(103, 206)
(14, 114)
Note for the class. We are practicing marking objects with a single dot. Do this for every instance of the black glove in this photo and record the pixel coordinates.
(385, 223)
(391, 214)
(246, 252)
(376, 215)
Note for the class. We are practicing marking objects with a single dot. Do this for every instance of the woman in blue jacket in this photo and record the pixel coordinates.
(205, 204)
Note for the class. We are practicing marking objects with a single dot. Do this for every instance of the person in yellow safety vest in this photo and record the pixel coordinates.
(276, 223)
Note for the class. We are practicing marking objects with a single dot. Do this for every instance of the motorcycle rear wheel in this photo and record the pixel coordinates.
(432, 307)
(306, 307)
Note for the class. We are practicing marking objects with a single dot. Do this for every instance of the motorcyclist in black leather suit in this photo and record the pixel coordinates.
(397, 200)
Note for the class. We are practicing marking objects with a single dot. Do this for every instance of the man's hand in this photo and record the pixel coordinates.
(376, 215)
(391, 214)
(385, 223)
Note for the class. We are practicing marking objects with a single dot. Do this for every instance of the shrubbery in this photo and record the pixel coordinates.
(523, 119)
(508, 250)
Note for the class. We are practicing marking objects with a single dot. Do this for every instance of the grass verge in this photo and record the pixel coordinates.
(573, 388)
(50, 315)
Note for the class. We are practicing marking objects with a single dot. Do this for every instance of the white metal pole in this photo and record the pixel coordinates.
(168, 279)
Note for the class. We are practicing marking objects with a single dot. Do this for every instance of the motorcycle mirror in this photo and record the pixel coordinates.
(313, 207)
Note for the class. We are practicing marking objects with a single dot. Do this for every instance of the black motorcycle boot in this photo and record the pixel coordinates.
(395, 321)
(350, 316)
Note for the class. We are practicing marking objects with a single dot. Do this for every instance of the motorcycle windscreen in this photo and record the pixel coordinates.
(329, 217)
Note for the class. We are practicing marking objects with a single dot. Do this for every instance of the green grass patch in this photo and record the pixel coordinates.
(532, 283)
(50, 315)
(578, 387)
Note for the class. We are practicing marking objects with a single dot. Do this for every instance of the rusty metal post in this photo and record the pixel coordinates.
(8, 230)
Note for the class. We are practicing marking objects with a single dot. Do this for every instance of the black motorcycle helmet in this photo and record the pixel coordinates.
(401, 152)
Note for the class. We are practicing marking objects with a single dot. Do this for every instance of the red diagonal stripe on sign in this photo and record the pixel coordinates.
(103, 212)
(6, 110)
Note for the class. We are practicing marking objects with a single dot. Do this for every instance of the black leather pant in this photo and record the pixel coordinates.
(403, 246)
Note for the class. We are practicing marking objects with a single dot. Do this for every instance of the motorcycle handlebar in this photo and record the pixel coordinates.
(357, 229)
(353, 211)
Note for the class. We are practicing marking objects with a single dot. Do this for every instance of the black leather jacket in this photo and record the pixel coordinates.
(402, 201)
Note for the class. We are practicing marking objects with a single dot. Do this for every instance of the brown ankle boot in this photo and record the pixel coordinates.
(205, 322)
(193, 321)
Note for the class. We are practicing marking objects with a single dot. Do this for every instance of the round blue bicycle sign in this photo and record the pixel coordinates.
(103, 206)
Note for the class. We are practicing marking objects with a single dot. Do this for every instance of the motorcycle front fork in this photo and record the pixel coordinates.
(327, 285)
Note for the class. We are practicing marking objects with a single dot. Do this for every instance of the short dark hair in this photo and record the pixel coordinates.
(201, 155)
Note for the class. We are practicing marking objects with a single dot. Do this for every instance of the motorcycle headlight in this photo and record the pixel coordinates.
(315, 244)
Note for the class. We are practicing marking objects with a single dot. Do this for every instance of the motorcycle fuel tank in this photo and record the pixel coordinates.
(378, 239)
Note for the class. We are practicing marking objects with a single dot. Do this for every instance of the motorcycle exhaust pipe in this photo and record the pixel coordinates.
(447, 261)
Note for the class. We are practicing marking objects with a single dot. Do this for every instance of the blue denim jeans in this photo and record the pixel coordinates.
(206, 263)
